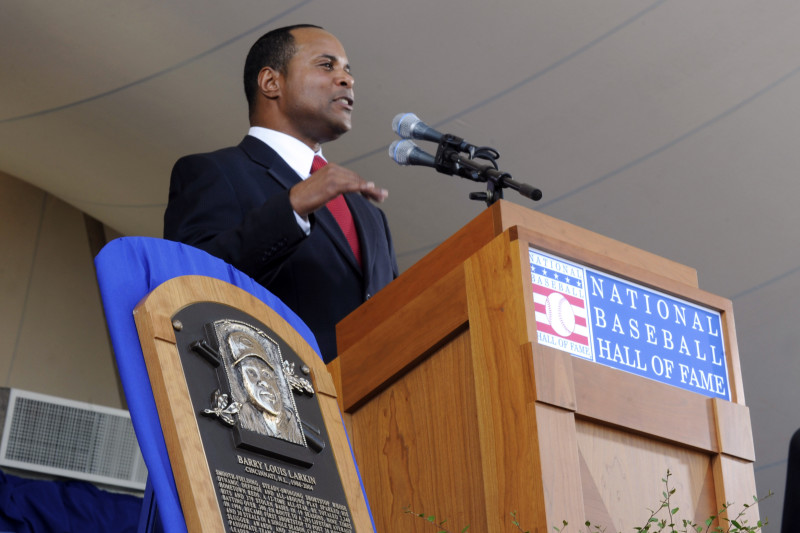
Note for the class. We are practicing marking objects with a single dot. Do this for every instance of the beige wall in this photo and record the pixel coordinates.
(54, 338)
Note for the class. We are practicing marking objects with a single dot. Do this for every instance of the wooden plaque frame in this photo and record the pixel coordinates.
(187, 456)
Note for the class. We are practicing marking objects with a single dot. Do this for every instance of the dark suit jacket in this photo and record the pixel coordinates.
(234, 204)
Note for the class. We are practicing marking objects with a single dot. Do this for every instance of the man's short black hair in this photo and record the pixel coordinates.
(273, 49)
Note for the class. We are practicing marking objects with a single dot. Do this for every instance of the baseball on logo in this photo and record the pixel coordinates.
(560, 314)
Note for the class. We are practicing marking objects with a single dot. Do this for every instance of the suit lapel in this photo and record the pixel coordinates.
(328, 224)
(268, 158)
(367, 237)
(281, 172)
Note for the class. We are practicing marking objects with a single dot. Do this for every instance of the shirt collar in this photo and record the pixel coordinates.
(294, 151)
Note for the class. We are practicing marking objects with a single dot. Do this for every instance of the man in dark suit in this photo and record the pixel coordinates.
(258, 205)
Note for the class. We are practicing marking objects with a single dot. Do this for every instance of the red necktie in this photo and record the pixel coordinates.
(340, 211)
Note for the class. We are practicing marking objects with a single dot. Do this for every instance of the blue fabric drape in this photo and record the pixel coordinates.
(38, 506)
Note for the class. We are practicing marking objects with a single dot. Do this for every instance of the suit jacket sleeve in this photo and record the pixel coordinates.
(254, 230)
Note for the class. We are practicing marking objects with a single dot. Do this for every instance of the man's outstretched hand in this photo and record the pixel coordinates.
(326, 184)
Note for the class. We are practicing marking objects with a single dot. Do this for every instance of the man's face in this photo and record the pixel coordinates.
(262, 385)
(317, 90)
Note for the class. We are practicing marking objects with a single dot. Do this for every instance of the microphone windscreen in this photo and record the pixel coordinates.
(401, 150)
(405, 152)
(403, 124)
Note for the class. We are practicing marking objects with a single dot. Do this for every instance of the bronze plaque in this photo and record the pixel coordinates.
(260, 424)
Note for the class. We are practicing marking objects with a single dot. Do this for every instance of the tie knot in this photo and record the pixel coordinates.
(317, 163)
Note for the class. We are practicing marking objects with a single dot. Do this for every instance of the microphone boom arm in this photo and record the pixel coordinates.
(449, 161)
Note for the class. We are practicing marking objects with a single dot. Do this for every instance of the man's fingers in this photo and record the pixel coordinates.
(328, 183)
(369, 190)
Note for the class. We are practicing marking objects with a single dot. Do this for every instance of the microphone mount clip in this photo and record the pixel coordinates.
(446, 156)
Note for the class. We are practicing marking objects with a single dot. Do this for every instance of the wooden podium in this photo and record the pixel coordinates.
(455, 410)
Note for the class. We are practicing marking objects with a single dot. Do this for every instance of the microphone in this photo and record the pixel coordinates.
(407, 153)
(449, 161)
(409, 126)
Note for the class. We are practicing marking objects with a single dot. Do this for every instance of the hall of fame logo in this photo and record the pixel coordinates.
(623, 325)
(559, 296)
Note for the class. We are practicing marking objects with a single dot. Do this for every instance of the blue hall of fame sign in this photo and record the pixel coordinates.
(626, 326)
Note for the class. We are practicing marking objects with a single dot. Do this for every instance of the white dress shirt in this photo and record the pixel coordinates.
(296, 154)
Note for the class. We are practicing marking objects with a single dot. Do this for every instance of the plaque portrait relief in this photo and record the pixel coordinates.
(258, 382)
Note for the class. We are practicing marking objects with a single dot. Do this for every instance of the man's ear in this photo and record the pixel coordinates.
(269, 82)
